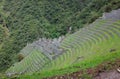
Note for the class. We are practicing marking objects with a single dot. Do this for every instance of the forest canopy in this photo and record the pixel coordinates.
(24, 21)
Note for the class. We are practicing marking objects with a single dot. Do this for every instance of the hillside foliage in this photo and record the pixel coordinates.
(28, 20)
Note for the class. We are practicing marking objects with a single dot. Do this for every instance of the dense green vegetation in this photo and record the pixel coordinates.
(24, 21)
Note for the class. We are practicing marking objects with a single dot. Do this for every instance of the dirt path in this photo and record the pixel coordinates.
(113, 74)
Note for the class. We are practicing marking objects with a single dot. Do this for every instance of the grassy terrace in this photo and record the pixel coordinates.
(87, 48)
(30, 64)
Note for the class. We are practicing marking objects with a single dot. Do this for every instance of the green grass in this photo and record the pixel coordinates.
(91, 62)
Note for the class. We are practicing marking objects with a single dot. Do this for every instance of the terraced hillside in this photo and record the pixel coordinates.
(39, 53)
(92, 44)
(86, 48)
(26, 21)
(89, 44)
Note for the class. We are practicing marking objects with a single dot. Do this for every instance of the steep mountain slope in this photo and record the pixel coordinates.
(90, 46)
(27, 20)
(4, 35)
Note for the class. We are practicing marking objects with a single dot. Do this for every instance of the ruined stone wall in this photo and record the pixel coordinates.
(49, 47)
